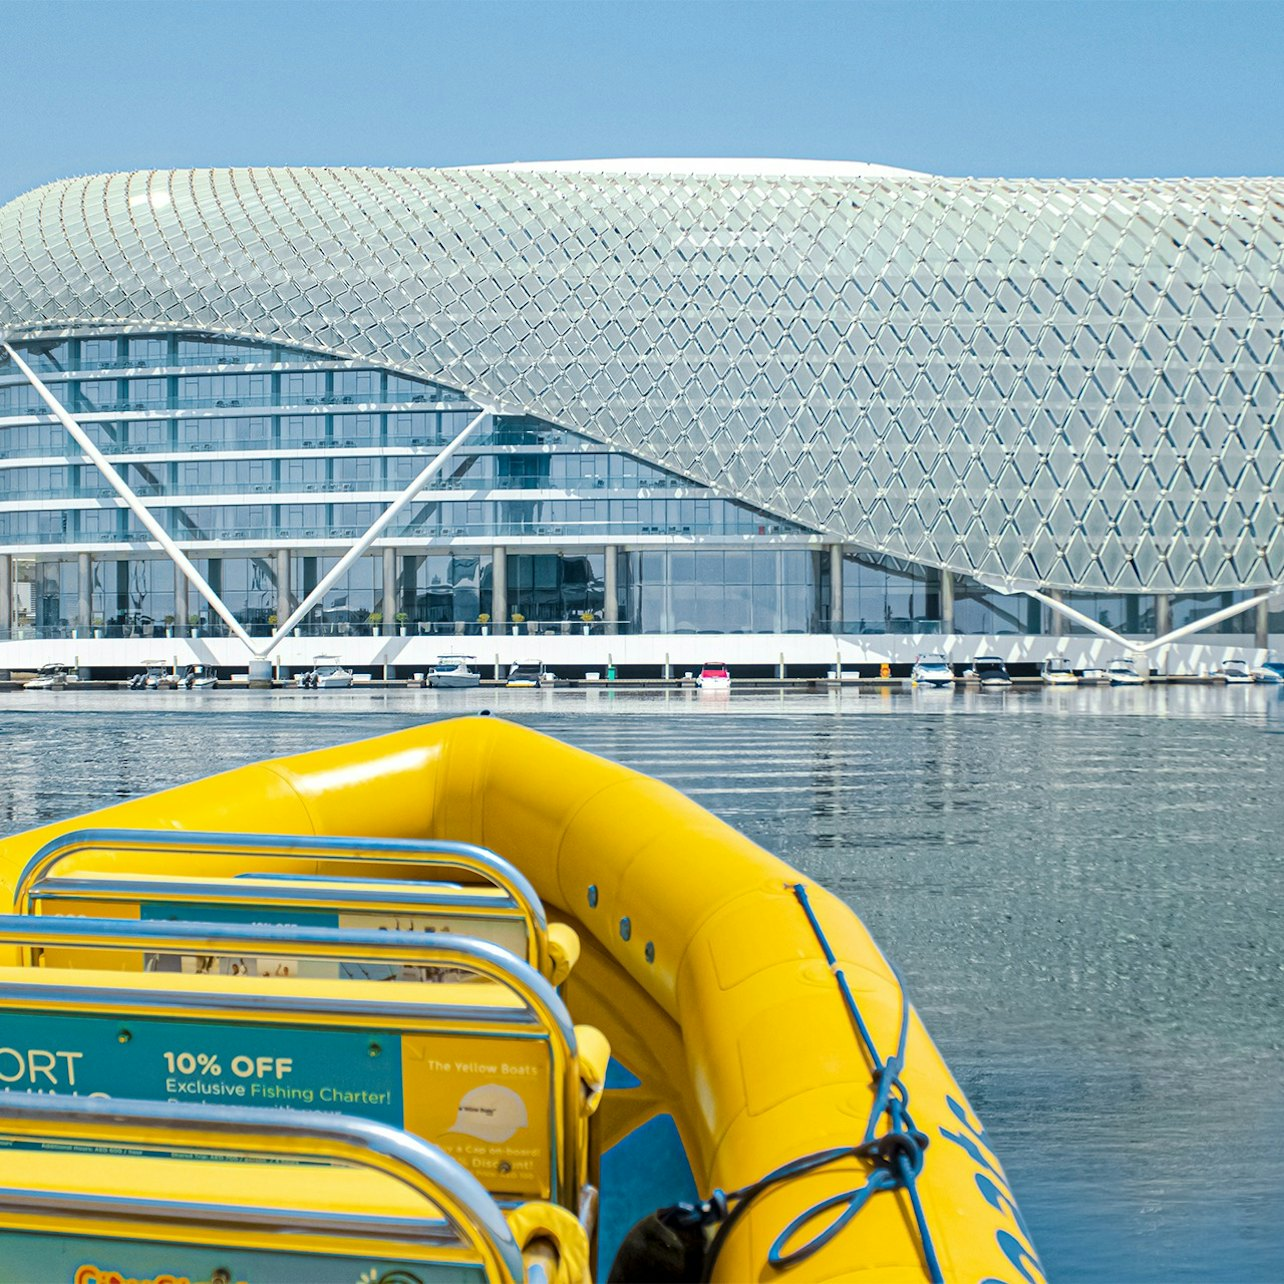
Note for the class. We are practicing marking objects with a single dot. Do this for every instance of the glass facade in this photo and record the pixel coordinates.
(328, 446)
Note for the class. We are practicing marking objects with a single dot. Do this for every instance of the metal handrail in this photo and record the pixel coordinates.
(250, 1131)
(424, 854)
(186, 897)
(420, 949)
(289, 940)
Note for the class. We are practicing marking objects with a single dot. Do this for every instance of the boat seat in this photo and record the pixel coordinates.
(490, 1069)
(285, 878)
(145, 1195)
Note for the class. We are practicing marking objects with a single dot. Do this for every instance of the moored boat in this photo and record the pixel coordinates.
(1122, 672)
(452, 671)
(528, 673)
(759, 1037)
(1057, 672)
(326, 673)
(1093, 675)
(198, 677)
(1235, 672)
(52, 677)
(714, 677)
(932, 670)
(989, 671)
(155, 675)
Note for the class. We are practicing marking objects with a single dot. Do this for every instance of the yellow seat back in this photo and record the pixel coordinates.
(340, 1196)
(491, 1072)
(336, 882)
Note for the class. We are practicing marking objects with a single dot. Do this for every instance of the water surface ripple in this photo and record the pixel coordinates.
(1081, 888)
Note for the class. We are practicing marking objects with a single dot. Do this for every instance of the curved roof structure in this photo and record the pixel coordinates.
(1071, 384)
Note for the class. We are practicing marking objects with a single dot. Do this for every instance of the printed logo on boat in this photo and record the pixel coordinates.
(490, 1112)
(90, 1274)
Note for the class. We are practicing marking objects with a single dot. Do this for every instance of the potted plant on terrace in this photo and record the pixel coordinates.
(587, 618)
(402, 620)
(484, 620)
(374, 620)
(518, 620)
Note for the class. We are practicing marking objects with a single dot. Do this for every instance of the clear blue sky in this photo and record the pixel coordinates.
(1102, 89)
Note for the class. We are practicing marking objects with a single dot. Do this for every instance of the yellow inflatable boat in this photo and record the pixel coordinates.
(464, 1003)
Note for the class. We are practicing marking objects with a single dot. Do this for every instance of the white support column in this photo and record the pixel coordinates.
(499, 588)
(1262, 626)
(1058, 617)
(136, 506)
(1163, 614)
(283, 595)
(611, 589)
(84, 591)
(389, 608)
(6, 593)
(377, 527)
(180, 603)
(835, 588)
(947, 601)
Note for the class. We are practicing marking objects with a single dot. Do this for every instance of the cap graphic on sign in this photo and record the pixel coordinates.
(490, 1112)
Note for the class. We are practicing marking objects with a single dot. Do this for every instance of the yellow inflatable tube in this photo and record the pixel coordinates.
(700, 964)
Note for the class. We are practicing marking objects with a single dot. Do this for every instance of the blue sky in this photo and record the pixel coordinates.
(1102, 89)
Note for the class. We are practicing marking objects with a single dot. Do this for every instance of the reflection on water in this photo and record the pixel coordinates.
(1082, 888)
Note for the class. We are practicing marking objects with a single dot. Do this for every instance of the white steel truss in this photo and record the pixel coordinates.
(136, 505)
(1011, 589)
(184, 563)
(373, 532)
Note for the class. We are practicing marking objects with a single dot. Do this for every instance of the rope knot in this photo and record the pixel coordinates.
(898, 1153)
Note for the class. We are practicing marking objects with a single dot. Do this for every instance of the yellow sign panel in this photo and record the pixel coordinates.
(487, 1103)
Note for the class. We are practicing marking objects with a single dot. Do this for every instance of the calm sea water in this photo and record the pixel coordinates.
(1082, 889)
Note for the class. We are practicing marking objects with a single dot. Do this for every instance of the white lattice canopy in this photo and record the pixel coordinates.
(1075, 384)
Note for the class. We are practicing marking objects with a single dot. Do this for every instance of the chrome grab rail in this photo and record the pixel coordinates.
(288, 940)
(491, 962)
(188, 897)
(431, 854)
(250, 1131)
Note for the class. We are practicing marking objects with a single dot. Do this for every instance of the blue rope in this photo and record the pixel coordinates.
(897, 1154)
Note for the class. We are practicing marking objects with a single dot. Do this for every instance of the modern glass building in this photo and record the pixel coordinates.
(710, 398)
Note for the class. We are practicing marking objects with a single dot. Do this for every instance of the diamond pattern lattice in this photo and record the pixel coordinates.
(1071, 383)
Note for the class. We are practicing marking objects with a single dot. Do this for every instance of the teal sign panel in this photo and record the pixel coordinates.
(75, 1259)
(346, 1071)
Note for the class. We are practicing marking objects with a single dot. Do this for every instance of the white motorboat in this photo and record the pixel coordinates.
(155, 674)
(1122, 672)
(52, 677)
(326, 674)
(1092, 675)
(989, 671)
(453, 671)
(714, 677)
(1235, 672)
(1058, 673)
(932, 670)
(198, 677)
(1270, 671)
